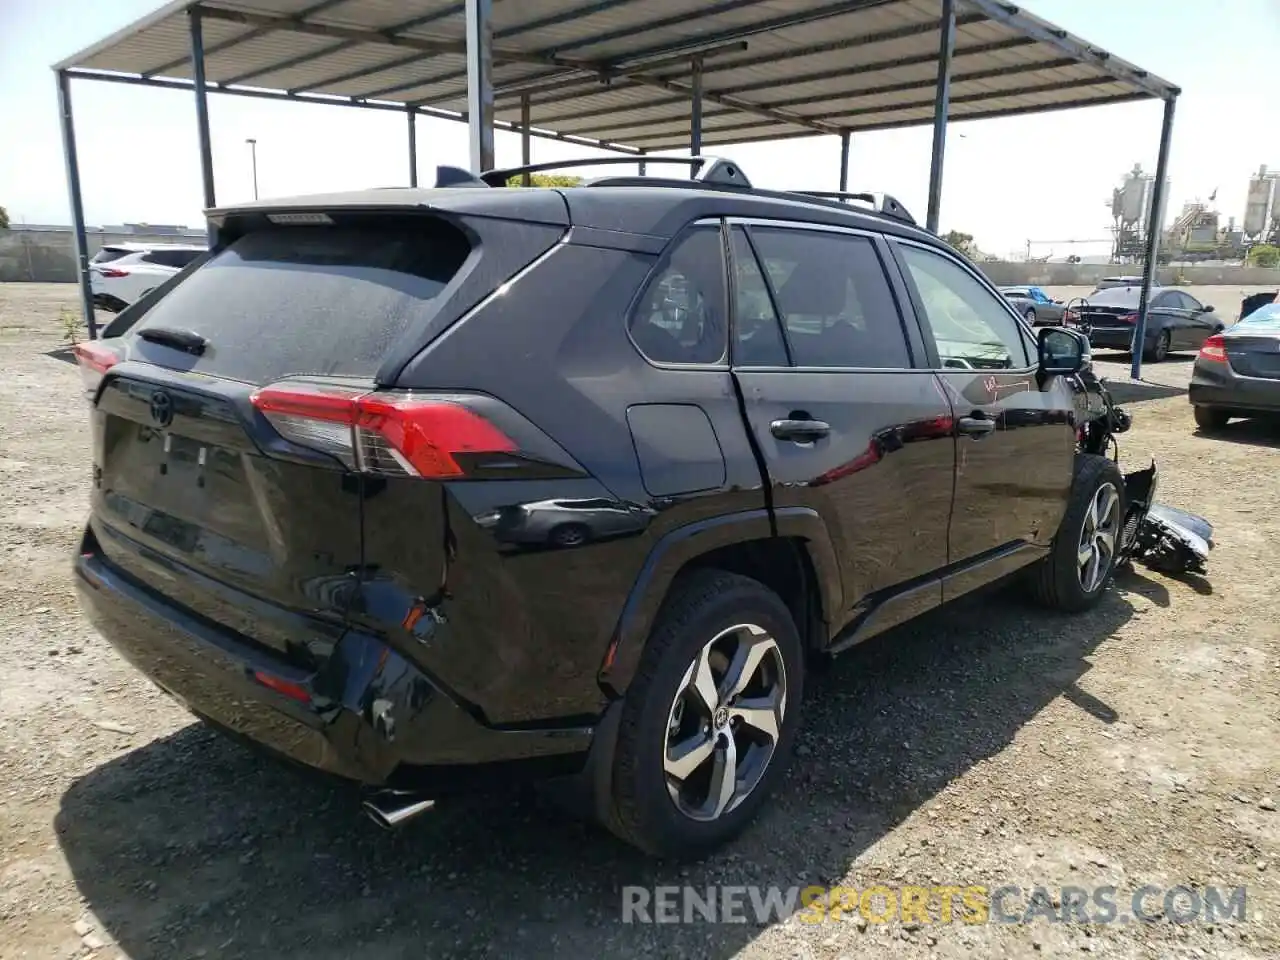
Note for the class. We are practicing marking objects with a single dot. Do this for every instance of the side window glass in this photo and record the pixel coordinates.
(757, 340)
(836, 302)
(1187, 302)
(681, 314)
(971, 327)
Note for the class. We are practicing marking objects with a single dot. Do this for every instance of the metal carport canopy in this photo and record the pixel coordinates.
(622, 72)
(628, 75)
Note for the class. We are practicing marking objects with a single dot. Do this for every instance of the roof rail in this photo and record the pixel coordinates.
(882, 202)
(706, 169)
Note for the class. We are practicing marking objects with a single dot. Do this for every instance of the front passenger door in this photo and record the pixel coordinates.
(1015, 447)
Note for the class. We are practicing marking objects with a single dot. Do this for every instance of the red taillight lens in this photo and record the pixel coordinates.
(1128, 318)
(386, 433)
(1214, 349)
(112, 272)
(94, 361)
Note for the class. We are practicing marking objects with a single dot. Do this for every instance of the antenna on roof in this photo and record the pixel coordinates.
(706, 169)
(457, 177)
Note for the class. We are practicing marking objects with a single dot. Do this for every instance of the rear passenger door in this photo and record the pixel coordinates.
(848, 424)
(1194, 324)
(1016, 439)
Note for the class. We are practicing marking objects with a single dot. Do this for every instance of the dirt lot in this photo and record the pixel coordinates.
(989, 744)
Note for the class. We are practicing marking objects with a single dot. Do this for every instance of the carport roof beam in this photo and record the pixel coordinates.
(599, 55)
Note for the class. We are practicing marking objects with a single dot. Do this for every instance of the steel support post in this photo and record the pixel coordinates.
(695, 114)
(77, 206)
(1155, 224)
(941, 108)
(412, 116)
(844, 161)
(526, 150)
(480, 83)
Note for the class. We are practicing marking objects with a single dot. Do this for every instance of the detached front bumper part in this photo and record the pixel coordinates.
(1163, 538)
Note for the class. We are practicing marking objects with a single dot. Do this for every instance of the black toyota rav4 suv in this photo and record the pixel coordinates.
(419, 487)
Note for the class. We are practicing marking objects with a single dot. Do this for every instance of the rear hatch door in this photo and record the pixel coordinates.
(200, 495)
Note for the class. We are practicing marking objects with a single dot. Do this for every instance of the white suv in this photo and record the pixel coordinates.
(121, 273)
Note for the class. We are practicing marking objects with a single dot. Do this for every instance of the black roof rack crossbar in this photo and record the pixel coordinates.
(882, 202)
(706, 169)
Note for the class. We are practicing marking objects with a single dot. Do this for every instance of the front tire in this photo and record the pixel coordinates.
(1083, 557)
(710, 719)
(1210, 418)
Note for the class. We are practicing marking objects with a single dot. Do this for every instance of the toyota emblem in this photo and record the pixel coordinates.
(161, 408)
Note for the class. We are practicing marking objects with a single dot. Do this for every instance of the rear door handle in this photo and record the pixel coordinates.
(800, 431)
(976, 426)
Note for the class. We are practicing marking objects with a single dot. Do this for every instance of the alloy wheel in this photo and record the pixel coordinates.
(1097, 547)
(725, 722)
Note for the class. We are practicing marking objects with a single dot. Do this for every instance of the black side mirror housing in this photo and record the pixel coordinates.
(1062, 351)
(1207, 308)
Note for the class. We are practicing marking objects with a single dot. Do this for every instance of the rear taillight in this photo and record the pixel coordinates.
(94, 361)
(1128, 318)
(112, 272)
(1214, 349)
(398, 434)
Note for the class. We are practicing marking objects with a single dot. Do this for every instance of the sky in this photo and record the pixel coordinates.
(1043, 178)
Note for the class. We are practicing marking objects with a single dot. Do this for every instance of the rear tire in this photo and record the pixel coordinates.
(1210, 418)
(1074, 574)
(715, 621)
(1160, 351)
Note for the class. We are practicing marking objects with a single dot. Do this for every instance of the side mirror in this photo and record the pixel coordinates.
(1062, 351)
(1207, 308)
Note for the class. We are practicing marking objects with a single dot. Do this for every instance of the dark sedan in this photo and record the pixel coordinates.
(1176, 320)
(1237, 373)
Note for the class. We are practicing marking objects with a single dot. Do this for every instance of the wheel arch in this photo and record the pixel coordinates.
(791, 552)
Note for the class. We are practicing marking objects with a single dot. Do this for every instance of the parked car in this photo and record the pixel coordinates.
(1257, 301)
(1237, 372)
(794, 420)
(1036, 306)
(121, 273)
(1175, 320)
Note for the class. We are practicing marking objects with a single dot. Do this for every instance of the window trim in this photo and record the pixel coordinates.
(731, 262)
(662, 260)
(916, 350)
(921, 317)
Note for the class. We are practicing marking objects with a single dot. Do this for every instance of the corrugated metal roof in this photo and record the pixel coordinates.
(619, 71)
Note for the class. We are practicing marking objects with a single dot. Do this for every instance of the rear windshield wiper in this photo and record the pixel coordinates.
(188, 341)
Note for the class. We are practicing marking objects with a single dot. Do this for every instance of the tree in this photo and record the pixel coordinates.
(1265, 255)
(4, 219)
(545, 180)
(963, 242)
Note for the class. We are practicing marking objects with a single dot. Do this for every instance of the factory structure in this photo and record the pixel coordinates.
(1197, 232)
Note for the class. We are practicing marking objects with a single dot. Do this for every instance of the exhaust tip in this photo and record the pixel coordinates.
(391, 810)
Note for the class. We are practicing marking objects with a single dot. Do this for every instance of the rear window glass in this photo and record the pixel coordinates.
(171, 258)
(327, 300)
(1116, 296)
(107, 254)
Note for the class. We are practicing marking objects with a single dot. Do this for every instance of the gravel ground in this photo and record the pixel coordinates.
(989, 744)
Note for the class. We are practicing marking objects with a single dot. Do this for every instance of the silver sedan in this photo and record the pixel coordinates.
(1037, 306)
